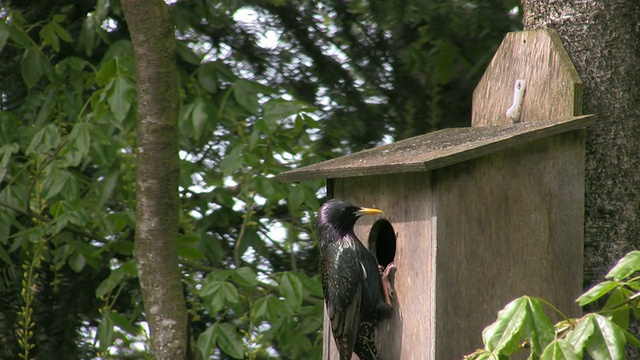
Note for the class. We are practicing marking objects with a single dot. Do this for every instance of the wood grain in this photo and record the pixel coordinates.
(435, 150)
(553, 90)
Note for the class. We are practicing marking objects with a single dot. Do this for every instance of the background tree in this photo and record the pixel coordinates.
(602, 40)
(340, 77)
(157, 201)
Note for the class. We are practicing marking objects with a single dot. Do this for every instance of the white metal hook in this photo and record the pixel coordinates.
(515, 110)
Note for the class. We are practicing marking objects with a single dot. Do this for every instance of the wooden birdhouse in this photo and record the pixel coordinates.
(475, 217)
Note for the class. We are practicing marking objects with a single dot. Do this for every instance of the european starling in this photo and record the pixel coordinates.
(352, 283)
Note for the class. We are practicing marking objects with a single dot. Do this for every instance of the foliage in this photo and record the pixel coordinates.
(524, 326)
(339, 78)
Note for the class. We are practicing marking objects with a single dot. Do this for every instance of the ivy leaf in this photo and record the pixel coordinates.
(580, 335)
(619, 314)
(629, 264)
(229, 340)
(559, 349)
(504, 335)
(608, 341)
(291, 289)
(596, 292)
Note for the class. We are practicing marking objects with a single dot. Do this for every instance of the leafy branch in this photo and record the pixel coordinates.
(603, 335)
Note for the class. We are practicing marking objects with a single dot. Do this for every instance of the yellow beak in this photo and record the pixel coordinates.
(368, 211)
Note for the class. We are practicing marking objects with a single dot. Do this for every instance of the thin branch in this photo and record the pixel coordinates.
(245, 221)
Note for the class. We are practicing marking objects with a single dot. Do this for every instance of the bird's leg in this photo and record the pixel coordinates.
(387, 289)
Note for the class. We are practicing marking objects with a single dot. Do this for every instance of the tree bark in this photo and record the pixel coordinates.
(157, 202)
(601, 37)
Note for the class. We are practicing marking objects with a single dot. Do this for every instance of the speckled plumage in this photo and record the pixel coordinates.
(351, 280)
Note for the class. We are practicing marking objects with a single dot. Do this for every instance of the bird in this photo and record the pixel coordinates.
(356, 290)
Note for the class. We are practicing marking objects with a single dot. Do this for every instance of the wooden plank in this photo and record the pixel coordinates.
(435, 150)
(509, 224)
(406, 202)
(553, 86)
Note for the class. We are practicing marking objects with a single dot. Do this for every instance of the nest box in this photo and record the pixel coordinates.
(475, 217)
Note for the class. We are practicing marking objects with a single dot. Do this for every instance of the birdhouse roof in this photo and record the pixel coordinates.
(435, 150)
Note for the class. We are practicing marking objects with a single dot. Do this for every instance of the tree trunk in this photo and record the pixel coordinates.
(601, 37)
(152, 34)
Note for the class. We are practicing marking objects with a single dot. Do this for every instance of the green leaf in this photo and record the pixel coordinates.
(80, 136)
(231, 162)
(295, 198)
(207, 342)
(4, 256)
(118, 99)
(276, 109)
(291, 289)
(218, 294)
(126, 269)
(619, 314)
(207, 77)
(62, 32)
(265, 187)
(187, 54)
(246, 94)
(77, 262)
(229, 340)
(596, 292)
(123, 323)
(202, 114)
(245, 277)
(559, 349)
(259, 310)
(539, 329)
(106, 72)
(34, 65)
(608, 342)
(6, 151)
(105, 331)
(48, 34)
(4, 35)
(45, 139)
(629, 264)
(504, 335)
(580, 335)
(56, 181)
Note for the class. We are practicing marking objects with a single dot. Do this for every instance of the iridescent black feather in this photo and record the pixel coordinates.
(351, 280)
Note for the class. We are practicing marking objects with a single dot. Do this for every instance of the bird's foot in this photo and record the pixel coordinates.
(387, 288)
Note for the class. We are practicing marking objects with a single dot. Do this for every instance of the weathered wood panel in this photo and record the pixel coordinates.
(553, 89)
(435, 150)
(509, 224)
(406, 202)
